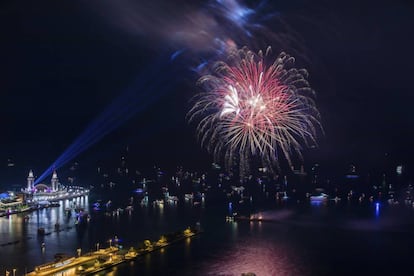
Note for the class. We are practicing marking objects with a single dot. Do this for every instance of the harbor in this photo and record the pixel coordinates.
(38, 196)
(69, 236)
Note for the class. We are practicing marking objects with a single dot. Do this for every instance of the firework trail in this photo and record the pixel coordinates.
(253, 111)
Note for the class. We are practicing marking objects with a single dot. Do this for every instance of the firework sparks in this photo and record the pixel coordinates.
(251, 110)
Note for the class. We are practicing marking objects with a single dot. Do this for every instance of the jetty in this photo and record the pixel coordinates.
(105, 258)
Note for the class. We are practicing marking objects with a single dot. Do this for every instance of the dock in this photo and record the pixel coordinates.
(106, 258)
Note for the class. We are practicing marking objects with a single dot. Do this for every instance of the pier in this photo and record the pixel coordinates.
(103, 259)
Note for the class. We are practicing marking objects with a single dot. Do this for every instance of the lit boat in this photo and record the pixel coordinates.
(131, 254)
(188, 196)
(318, 198)
(172, 199)
(336, 199)
(158, 202)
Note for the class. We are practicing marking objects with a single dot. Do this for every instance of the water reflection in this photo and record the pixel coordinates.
(26, 248)
(256, 256)
(281, 245)
(187, 248)
(377, 209)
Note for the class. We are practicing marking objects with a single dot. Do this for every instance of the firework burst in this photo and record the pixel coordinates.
(250, 110)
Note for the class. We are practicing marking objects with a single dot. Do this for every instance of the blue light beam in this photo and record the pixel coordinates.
(151, 84)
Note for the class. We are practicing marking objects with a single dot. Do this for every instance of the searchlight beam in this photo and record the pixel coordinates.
(152, 84)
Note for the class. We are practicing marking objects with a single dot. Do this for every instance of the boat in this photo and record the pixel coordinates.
(319, 198)
(188, 196)
(158, 202)
(172, 199)
(131, 254)
(336, 199)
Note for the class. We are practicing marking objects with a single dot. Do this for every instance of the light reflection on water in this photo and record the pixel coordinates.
(251, 252)
(27, 250)
(297, 242)
(253, 255)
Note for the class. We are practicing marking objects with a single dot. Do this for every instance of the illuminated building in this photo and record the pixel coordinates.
(53, 192)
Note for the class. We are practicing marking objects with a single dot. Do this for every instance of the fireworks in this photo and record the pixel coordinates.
(251, 110)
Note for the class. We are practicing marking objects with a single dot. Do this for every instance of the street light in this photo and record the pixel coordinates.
(97, 246)
(110, 243)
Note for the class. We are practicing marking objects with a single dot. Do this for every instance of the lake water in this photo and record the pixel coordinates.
(305, 239)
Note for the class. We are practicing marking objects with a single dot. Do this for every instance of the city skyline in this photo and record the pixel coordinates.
(63, 65)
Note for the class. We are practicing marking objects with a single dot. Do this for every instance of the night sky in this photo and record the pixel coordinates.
(64, 62)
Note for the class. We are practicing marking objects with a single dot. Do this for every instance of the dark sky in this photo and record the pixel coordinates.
(63, 62)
